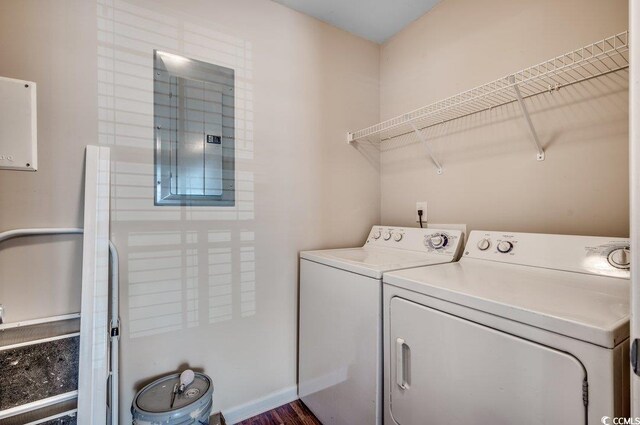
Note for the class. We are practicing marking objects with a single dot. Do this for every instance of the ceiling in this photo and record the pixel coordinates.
(375, 20)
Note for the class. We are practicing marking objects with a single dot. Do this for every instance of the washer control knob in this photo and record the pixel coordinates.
(437, 241)
(377, 234)
(619, 258)
(505, 246)
(397, 237)
(484, 244)
(387, 236)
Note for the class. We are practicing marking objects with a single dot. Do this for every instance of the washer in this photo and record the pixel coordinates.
(340, 348)
(525, 328)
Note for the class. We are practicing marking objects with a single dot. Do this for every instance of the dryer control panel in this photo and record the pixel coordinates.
(435, 241)
(582, 254)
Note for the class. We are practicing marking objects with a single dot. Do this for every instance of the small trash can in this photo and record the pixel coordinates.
(152, 404)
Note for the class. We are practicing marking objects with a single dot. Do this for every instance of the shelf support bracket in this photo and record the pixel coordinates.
(428, 148)
(527, 117)
(350, 138)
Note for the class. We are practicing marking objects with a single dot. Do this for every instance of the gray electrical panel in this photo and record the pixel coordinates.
(194, 132)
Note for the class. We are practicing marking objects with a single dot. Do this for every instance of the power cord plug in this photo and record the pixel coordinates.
(420, 217)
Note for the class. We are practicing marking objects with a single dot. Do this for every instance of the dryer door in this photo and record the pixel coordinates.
(448, 370)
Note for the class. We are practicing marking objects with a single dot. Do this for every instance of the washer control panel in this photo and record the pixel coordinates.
(434, 241)
(583, 254)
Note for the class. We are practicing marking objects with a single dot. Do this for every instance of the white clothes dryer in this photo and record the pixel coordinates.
(525, 328)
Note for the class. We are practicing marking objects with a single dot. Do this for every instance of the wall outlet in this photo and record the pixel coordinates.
(421, 206)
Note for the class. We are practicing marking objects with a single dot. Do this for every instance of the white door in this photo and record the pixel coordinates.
(446, 370)
(634, 148)
(340, 349)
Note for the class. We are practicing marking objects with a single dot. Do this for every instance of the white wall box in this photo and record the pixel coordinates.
(18, 125)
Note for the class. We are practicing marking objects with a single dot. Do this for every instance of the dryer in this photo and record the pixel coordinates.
(340, 342)
(525, 328)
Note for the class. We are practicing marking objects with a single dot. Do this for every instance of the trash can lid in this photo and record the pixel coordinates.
(156, 397)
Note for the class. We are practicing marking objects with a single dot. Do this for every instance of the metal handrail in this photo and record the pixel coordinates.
(114, 331)
(9, 234)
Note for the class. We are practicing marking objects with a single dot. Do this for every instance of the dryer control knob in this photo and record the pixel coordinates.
(397, 237)
(387, 236)
(505, 246)
(437, 241)
(484, 244)
(377, 234)
(619, 258)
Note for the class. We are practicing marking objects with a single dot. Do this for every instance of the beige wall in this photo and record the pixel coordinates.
(214, 288)
(217, 288)
(39, 42)
(491, 179)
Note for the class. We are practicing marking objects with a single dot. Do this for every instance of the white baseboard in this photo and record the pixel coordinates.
(260, 405)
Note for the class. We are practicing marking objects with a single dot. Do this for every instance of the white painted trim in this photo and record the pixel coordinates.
(41, 321)
(634, 168)
(28, 407)
(94, 364)
(38, 341)
(260, 405)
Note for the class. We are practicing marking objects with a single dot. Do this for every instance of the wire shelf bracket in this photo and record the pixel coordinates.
(527, 117)
(603, 57)
(425, 142)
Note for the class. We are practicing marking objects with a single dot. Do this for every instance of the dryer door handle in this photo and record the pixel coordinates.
(635, 355)
(402, 363)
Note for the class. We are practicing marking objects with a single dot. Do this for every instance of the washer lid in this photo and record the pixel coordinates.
(591, 308)
(156, 397)
(373, 261)
(393, 248)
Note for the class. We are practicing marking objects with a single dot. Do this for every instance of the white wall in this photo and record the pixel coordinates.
(214, 288)
(491, 179)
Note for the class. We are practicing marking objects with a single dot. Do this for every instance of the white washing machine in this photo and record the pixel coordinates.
(340, 347)
(525, 328)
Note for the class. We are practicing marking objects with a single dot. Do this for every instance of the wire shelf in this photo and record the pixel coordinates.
(596, 59)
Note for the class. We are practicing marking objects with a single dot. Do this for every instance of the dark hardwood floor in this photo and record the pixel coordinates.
(294, 413)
